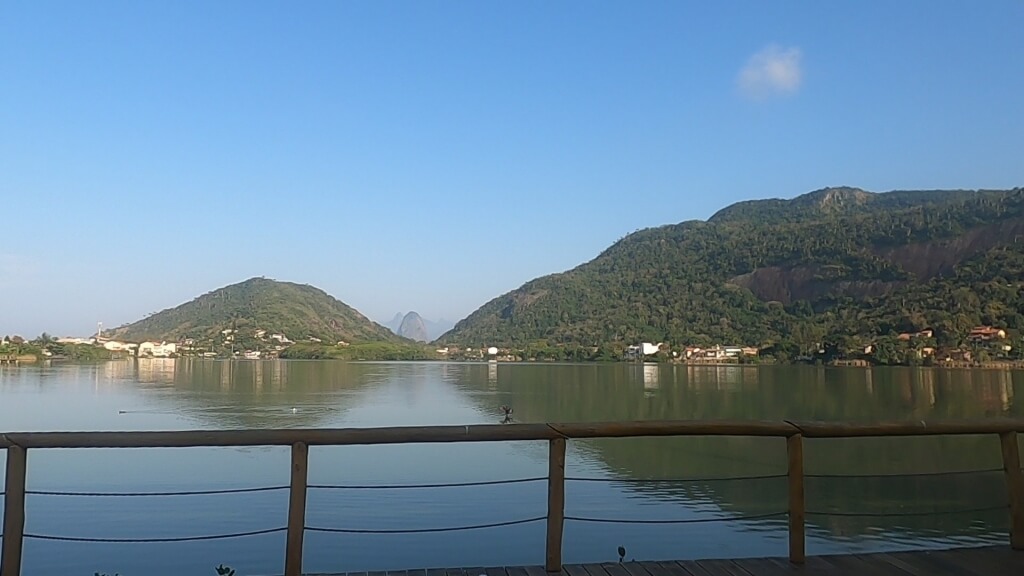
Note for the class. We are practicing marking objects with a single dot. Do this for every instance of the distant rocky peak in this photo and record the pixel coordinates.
(835, 197)
(395, 323)
(414, 328)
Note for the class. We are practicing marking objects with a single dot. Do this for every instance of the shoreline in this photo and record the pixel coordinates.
(952, 365)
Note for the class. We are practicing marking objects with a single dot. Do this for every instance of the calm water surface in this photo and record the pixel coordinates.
(632, 479)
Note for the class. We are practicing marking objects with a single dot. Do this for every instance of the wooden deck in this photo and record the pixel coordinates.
(986, 561)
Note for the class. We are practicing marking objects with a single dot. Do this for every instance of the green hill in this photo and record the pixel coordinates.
(839, 266)
(298, 311)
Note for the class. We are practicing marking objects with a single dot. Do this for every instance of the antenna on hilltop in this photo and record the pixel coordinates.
(99, 329)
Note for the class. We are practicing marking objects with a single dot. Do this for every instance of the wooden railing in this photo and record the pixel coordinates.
(18, 445)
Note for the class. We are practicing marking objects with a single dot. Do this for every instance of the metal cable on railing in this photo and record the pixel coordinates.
(674, 480)
(273, 530)
(274, 488)
(679, 520)
(423, 530)
(153, 540)
(908, 514)
(140, 494)
(440, 485)
(907, 474)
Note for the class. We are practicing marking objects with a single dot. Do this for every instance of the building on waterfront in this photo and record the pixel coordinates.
(161, 350)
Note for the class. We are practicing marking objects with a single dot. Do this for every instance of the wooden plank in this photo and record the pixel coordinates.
(935, 563)
(296, 510)
(817, 565)
(495, 571)
(535, 571)
(614, 569)
(570, 570)
(650, 569)
(851, 564)
(595, 570)
(993, 560)
(918, 428)
(556, 504)
(682, 568)
(990, 561)
(1014, 488)
(635, 569)
(497, 433)
(899, 561)
(398, 434)
(797, 538)
(881, 560)
(826, 565)
(722, 568)
(764, 567)
(14, 511)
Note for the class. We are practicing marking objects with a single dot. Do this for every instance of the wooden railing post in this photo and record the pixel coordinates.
(296, 510)
(1014, 488)
(14, 511)
(556, 504)
(795, 451)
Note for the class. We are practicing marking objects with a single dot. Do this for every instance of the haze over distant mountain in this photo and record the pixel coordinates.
(434, 329)
(298, 311)
(838, 265)
(413, 327)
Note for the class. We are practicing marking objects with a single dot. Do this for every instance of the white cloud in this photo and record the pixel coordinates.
(773, 71)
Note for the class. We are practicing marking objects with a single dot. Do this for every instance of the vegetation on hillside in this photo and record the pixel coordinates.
(296, 310)
(45, 346)
(835, 269)
(379, 351)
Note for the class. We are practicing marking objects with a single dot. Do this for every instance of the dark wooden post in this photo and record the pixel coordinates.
(556, 504)
(296, 510)
(14, 511)
(795, 451)
(1014, 488)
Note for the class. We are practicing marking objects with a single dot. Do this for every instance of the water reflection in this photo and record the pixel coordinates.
(735, 392)
(639, 478)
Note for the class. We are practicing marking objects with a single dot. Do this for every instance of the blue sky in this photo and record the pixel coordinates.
(433, 155)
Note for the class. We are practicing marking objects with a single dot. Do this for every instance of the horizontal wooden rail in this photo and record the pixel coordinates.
(918, 428)
(496, 433)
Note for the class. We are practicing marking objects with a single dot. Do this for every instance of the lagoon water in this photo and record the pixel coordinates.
(637, 479)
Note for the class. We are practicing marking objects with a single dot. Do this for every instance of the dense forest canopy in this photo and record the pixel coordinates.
(838, 267)
(298, 311)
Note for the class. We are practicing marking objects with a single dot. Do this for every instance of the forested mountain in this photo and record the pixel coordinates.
(838, 265)
(298, 311)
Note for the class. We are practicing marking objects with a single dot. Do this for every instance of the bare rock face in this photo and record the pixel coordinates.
(413, 328)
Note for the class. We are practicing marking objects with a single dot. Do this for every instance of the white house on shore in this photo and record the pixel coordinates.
(115, 346)
(643, 349)
(161, 350)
